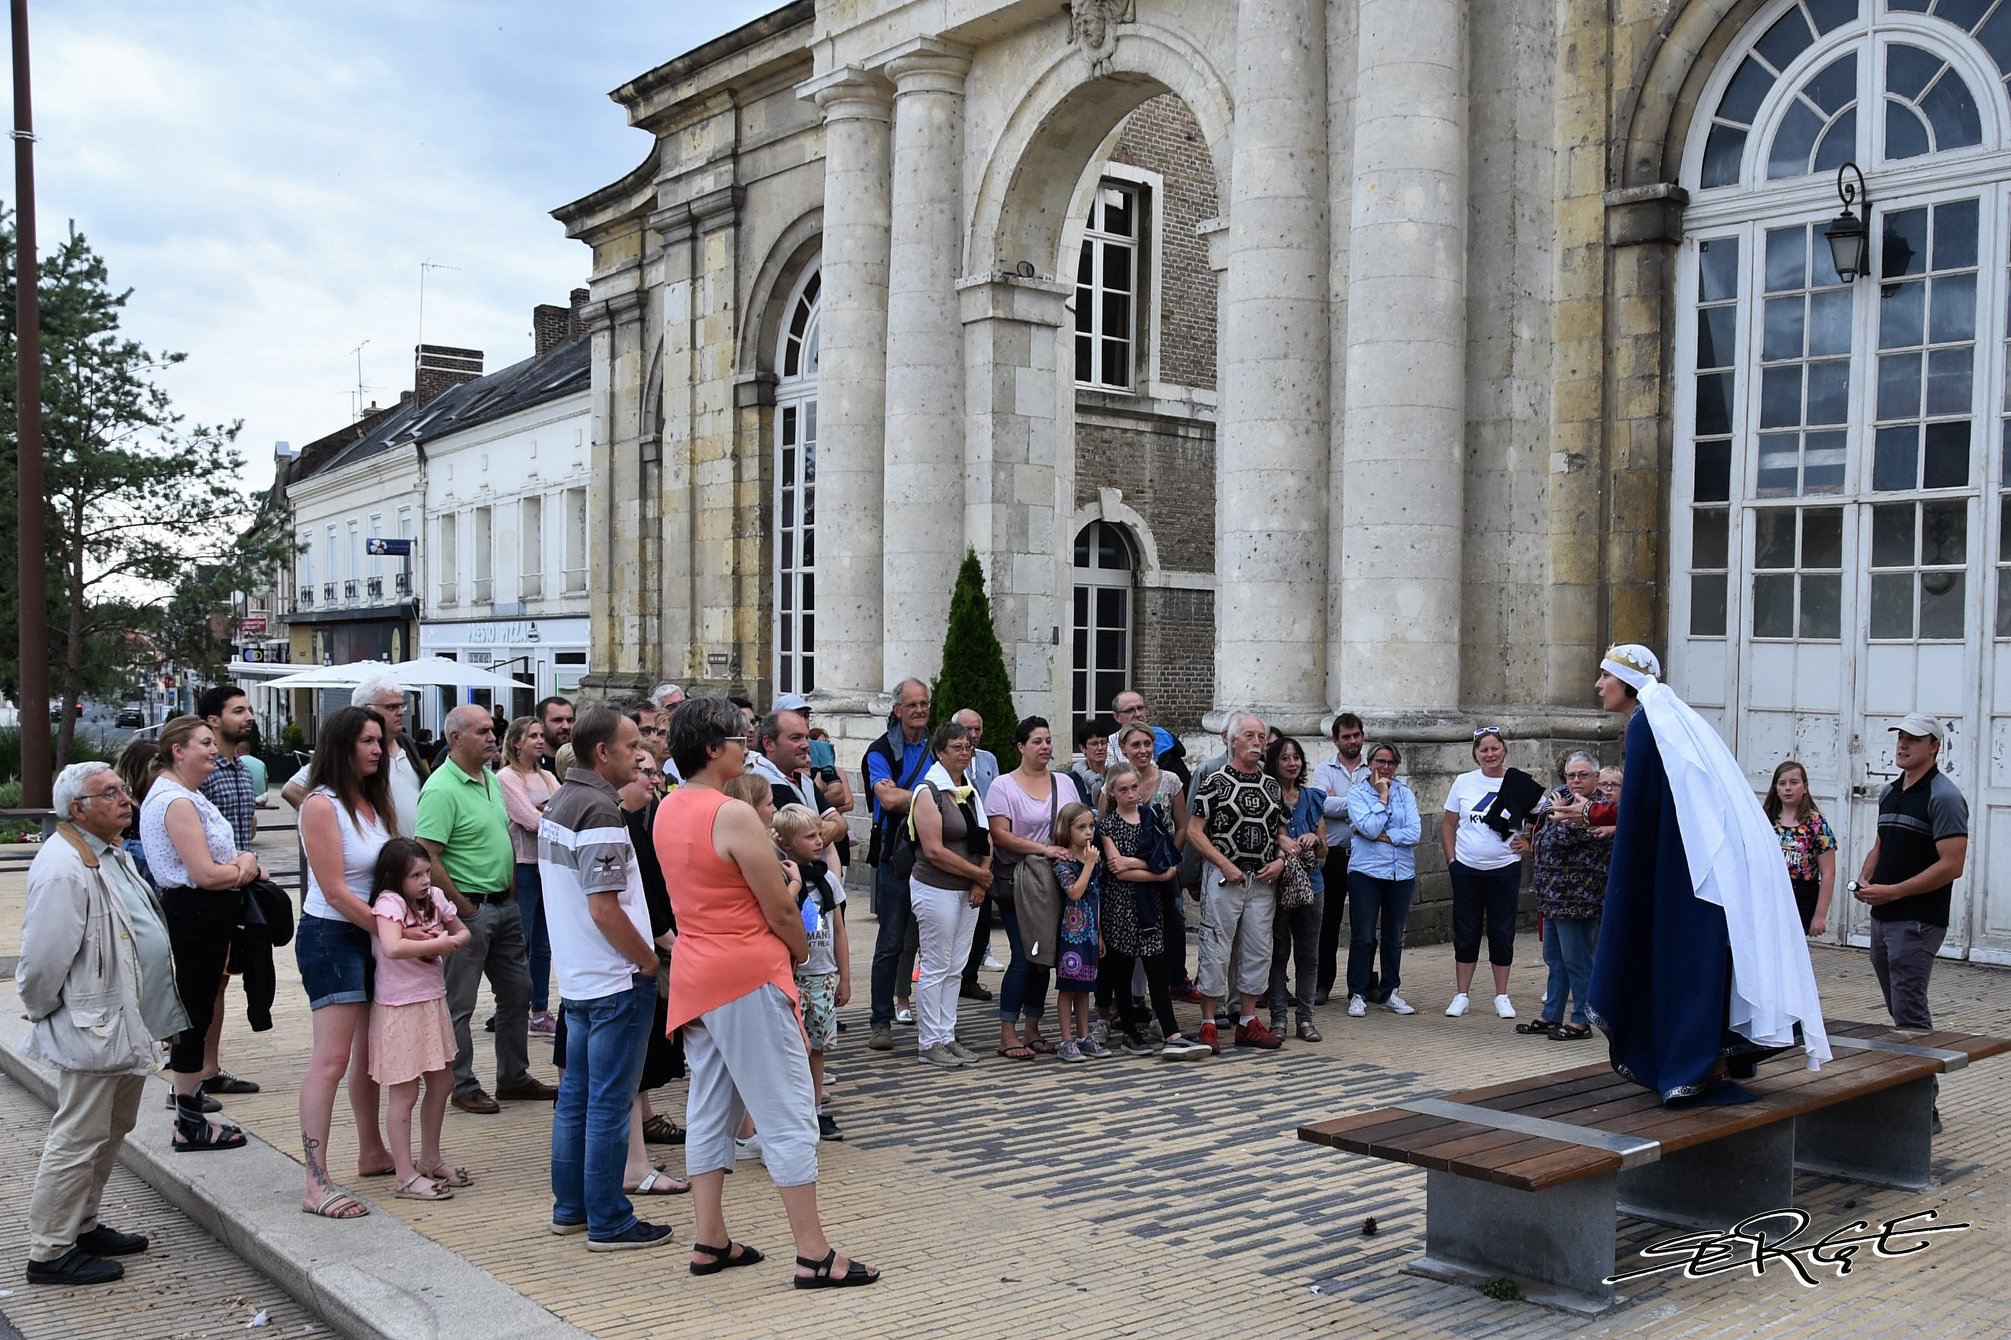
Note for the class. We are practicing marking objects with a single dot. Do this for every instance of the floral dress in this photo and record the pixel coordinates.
(1075, 947)
(1123, 932)
(1571, 863)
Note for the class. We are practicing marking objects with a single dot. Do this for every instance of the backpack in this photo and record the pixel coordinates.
(893, 843)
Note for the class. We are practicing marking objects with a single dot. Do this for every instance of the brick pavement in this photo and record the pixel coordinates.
(1133, 1197)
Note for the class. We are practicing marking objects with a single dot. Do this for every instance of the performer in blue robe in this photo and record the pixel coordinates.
(1697, 974)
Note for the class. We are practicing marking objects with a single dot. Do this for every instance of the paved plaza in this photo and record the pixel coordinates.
(1127, 1197)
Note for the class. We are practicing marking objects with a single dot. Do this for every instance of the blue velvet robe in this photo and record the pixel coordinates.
(1661, 975)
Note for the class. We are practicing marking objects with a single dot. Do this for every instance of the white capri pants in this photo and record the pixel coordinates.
(748, 1056)
(1235, 936)
(945, 921)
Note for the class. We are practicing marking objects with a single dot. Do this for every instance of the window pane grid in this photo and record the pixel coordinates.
(1804, 368)
(1711, 435)
(1927, 347)
(794, 517)
(1101, 626)
(1106, 289)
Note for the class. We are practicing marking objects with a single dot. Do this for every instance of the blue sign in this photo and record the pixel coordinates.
(402, 548)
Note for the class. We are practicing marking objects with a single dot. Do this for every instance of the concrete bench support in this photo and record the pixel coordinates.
(1557, 1245)
(1884, 1138)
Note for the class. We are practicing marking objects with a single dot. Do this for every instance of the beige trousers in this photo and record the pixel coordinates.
(93, 1115)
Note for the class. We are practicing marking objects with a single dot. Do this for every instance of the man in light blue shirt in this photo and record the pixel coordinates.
(1337, 776)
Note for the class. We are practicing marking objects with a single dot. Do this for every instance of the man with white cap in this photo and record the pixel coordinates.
(1910, 872)
(1701, 969)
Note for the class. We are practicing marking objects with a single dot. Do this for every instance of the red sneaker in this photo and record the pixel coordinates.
(1187, 993)
(1254, 1034)
(1209, 1039)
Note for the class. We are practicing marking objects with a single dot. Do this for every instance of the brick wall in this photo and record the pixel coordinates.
(1162, 136)
(1173, 654)
(1165, 468)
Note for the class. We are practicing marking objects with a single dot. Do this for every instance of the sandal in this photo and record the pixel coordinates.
(1019, 1052)
(661, 1130)
(658, 1184)
(1308, 1033)
(1535, 1026)
(723, 1257)
(448, 1175)
(213, 1138)
(409, 1189)
(855, 1274)
(1040, 1045)
(337, 1205)
(1570, 1032)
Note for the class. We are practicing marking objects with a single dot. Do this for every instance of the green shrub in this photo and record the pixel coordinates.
(974, 669)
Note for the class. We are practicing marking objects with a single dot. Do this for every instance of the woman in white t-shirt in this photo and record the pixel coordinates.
(345, 820)
(1486, 871)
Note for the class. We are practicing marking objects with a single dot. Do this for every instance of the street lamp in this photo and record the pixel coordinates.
(1849, 236)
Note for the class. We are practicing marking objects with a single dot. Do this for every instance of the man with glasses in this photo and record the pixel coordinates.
(894, 765)
(93, 932)
(384, 696)
(463, 825)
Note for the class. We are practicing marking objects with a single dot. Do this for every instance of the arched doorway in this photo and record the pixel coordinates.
(1103, 578)
(795, 553)
(1840, 488)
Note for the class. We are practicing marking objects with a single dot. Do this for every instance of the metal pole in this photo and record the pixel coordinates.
(32, 583)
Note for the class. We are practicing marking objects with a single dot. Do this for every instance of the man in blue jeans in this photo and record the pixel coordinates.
(606, 970)
(894, 764)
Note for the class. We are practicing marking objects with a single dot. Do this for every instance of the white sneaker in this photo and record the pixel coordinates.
(904, 1015)
(960, 1051)
(750, 1148)
(940, 1056)
(991, 964)
(1357, 1007)
(1504, 1007)
(1395, 1005)
(1458, 1006)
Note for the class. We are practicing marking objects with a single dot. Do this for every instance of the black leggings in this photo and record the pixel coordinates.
(1117, 971)
(200, 946)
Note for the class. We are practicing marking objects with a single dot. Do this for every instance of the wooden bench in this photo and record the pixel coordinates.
(1527, 1179)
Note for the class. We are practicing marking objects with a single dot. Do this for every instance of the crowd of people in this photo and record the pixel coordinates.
(677, 869)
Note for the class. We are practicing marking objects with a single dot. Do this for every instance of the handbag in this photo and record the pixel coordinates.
(1295, 886)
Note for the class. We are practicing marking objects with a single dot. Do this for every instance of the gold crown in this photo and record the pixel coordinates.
(1633, 657)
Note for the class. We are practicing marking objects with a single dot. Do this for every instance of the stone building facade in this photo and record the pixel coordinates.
(1515, 338)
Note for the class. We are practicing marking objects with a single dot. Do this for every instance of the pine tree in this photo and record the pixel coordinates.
(974, 669)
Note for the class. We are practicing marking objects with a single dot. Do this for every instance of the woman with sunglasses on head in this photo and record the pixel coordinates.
(1486, 870)
(527, 789)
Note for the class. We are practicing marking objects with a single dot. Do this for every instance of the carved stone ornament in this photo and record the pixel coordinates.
(1092, 25)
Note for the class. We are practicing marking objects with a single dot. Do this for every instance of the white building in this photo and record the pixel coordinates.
(505, 502)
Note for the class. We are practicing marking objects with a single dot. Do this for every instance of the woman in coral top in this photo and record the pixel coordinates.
(733, 991)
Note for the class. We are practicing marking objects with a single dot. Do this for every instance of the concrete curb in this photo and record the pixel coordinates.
(348, 1273)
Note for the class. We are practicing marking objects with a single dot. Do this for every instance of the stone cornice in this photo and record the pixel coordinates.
(850, 93)
(926, 65)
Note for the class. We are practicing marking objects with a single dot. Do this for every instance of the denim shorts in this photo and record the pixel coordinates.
(334, 959)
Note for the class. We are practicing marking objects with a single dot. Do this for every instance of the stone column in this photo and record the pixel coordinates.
(678, 655)
(1404, 442)
(615, 564)
(924, 484)
(1271, 447)
(851, 387)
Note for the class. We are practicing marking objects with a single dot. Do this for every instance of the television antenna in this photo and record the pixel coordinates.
(424, 266)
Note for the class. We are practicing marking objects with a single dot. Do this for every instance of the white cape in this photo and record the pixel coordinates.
(1735, 863)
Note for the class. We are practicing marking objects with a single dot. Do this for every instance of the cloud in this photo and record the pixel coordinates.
(268, 177)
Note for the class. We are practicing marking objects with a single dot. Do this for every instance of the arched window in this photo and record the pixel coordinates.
(1842, 547)
(796, 494)
(1103, 579)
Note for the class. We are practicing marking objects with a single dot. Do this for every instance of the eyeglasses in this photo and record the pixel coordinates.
(1487, 730)
(111, 794)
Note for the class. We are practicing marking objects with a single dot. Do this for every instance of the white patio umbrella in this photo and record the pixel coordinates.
(332, 676)
(439, 672)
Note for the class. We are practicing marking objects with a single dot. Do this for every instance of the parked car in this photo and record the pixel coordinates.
(131, 716)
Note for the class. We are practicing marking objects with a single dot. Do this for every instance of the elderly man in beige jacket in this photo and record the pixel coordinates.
(99, 986)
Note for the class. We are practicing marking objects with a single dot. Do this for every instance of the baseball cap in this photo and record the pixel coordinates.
(792, 702)
(1919, 723)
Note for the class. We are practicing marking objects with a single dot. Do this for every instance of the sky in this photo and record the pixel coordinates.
(268, 177)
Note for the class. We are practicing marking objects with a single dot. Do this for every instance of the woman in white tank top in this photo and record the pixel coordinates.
(345, 820)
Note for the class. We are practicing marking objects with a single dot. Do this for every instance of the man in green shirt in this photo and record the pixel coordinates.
(462, 822)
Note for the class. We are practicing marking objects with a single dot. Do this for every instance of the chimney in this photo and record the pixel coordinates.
(436, 367)
(551, 326)
(579, 297)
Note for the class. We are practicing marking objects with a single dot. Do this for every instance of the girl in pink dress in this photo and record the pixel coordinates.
(410, 1033)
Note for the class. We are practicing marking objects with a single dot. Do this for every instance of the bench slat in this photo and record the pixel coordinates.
(1511, 1087)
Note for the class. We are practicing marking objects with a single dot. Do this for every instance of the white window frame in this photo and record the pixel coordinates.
(575, 570)
(1093, 579)
(531, 546)
(795, 668)
(1142, 369)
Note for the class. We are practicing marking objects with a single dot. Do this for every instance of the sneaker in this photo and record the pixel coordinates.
(960, 1051)
(544, 1025)
(75, 1267)
(991, 964)
(882, 1040)
(1254, 1034)
(1099, 1032)
(1396, 1004)
(1187, 993)
(1211, 1038)
(639, 1235)
(1184, 1049)
(1096, 1050)
(1504, 1007)
(974, 991)
(1458, 1006)
(1138, 1047)
(1070, 1050)
(904, 1015)
(564, 1230)
(827, 1129)
(939, 1056)
(1357, 1007)
(750, 1148)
